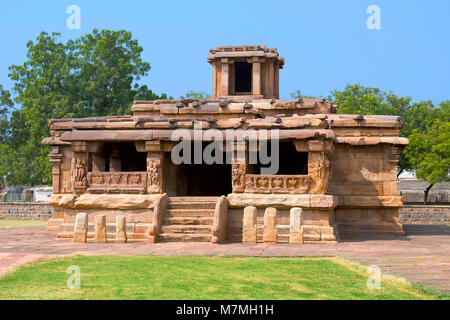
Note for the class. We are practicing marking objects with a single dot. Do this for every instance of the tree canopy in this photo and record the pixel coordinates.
(195, 95)
(94, 75)
(424, 124)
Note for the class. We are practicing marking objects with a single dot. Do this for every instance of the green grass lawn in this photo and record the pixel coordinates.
(17, 223)
(177, 277)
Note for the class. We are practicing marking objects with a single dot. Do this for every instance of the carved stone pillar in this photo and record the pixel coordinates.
(154, 172)
(239, 167)
(319, 171)
(55, 159)
(318, 163)
(79, 167)
(78, 174)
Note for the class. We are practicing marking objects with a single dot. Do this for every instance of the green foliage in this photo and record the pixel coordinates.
(94, 75)
(357, 99)
(429, 149)
(298, 94)
(195, 95)
(417, 117)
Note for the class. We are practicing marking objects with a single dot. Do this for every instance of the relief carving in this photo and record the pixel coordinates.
(115, 182)
(78, 175)
(238, 177)
(319, 172)
(154, 174)
(296, 184)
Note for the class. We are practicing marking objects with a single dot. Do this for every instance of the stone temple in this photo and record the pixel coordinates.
(114, 178)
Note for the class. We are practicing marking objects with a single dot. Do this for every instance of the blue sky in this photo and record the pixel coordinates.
(326, 43)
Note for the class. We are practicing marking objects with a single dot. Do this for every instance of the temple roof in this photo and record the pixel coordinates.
(232, 105)
(245, 52)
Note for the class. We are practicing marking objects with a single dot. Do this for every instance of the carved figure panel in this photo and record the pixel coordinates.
(238, 177)
(114, 182)
(154, 175)
(319, 172)
(297, 184)
(78, 175)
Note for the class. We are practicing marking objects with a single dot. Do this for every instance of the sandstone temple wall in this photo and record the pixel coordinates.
(365, 180)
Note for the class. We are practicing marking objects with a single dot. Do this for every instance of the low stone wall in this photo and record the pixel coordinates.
(424, 214)
(407, 214)
(25, 211)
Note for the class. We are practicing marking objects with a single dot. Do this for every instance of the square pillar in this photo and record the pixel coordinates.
(115, 163)
(256, 78)
(154, 172)
(224, 82)
(214, 81)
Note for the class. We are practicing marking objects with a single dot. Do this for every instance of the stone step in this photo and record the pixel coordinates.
(191, 205)
(188, 220)
(181, 237)
(186, 229)
(193, 199)
(189, 213)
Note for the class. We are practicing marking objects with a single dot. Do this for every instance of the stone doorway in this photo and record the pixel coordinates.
(204, 180)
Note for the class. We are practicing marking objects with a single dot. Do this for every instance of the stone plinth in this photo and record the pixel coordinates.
(249, 225)
(121, 233)
(270, 225)
(81, 227)
(100, 228)
(296, 225)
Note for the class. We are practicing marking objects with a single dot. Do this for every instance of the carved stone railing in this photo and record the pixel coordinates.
(117, 182)
(296, 184)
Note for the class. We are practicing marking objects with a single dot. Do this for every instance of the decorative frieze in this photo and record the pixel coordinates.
(295, 184)
(113, 182)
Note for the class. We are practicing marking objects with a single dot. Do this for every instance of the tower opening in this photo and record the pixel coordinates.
(243, 77)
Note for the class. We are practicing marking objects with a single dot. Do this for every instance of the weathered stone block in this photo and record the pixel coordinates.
(100, 228)
(121, 233)
(81, 227)
(296, 222)
(327, 234)
(249, 225)
(270, 225)
(311, 233)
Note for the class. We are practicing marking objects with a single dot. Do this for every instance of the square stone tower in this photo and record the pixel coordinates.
(248, 72)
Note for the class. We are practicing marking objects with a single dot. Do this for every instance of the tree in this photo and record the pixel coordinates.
(95, 75)
(298, 94)
(5, 103)
(357, 99)
(195, 95)
(429, 152)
